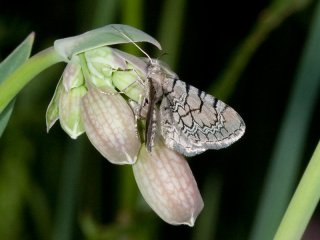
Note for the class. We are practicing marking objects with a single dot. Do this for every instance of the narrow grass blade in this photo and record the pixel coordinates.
(64, 221)
(132, 12)
(104, 12)
(303, 203)
(171, 24)
(290, 143)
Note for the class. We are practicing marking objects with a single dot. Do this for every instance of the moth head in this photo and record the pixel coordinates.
(154, 69)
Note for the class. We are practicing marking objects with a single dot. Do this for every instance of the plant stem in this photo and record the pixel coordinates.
(132, 14)
(303, 202)
(172, 24)
(69, 189)
(12, 85)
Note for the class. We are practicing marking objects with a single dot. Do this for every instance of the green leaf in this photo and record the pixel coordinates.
(9, 65)
(107, 35)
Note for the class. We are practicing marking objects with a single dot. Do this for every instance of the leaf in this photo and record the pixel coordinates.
(9, 65)
(107, 35)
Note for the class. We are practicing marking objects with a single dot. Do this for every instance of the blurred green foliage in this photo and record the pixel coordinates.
(247, 53)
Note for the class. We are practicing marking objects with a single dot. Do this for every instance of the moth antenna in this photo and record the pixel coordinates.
(130, 39)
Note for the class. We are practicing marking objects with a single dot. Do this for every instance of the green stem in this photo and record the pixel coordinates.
(12, 85)
(303, 202)
(172, 24)
(65, 218)
(132, 14)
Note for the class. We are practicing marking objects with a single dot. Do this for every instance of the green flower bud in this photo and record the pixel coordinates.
(102, 112)
(52, 114)
(69, 111)
(128, 82)
(72, 76)
(102, 63)
(65, 104)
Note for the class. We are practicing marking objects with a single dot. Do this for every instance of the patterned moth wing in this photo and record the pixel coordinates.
(192, 121)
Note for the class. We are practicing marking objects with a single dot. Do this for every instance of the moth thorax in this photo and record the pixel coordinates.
(155, 72)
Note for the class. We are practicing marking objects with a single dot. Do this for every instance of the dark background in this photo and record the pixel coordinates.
(210, 36)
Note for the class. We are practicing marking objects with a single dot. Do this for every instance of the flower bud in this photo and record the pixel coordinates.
(52, 114)
(129, 83)
(65, 104)
(72, 76)
(167, 184)
(69, 111)
(110, 125)
(101, 63)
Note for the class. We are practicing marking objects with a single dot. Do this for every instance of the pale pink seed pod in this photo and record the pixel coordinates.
(110, 125)
(167, 184)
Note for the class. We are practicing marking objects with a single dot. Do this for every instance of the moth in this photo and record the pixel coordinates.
(189, 120)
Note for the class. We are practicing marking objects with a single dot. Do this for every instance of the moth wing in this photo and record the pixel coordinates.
(193, 121)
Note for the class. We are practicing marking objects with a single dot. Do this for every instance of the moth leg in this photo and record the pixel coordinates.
(151, 130)
(139, 80)
(135, 108)
(127, 87)
(137, 112)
